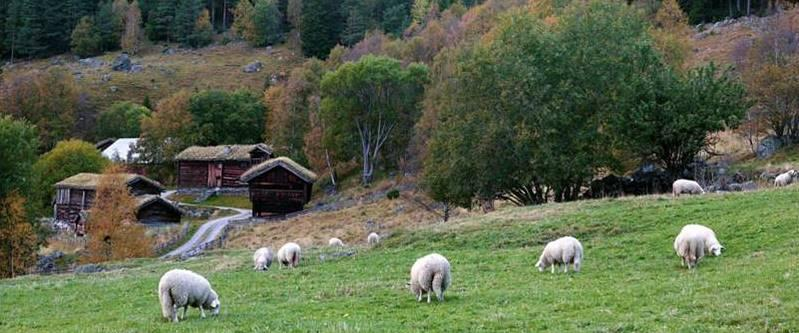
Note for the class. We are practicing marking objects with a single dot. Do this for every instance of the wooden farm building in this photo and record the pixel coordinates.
(218, 166)
(278, 186)
(77, 193)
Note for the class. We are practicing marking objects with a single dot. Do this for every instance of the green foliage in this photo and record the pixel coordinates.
(545, 107)
(393, 194)
(396, 19)
(121, 120)
(18, 145)
(675, 114)
(68, 158)
(109, 26)
(186, 14)
(268, 23)
(320, 27)
(203, 31)
(161, 19)
(85, 39)
(369, 105)
(221, 117)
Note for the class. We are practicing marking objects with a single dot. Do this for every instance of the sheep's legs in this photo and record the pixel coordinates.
(428, 297)
(553, 268)
(419, 296)
(565, 268)
(175, 313)
(202, 312)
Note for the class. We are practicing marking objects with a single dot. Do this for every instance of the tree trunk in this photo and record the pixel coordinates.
(332, 170)
(446, 211)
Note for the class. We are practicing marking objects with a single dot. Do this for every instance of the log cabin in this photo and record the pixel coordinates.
(218, 166)
(278, 186)
(77, 193)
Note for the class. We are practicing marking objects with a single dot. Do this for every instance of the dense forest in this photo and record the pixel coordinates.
(39, 28)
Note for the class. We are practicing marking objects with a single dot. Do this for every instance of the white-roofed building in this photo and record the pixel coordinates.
(122, 150)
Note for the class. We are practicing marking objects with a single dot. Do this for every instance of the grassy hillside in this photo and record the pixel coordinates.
(631, 280)
(213, 67)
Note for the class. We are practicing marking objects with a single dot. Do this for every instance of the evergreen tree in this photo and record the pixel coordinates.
(320, 28)
(28, 37)
(109, 27)
(160, 20)
(355, 28)
(243, 24)
(186, 14)
(395, 19)
(201, 36)
(85, 39)
(268, 23)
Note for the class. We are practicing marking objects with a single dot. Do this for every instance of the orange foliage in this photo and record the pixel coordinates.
(113, 231)
(17, 238)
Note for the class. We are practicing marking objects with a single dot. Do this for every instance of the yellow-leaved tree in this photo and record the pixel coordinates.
(114, 233)
(17, 237)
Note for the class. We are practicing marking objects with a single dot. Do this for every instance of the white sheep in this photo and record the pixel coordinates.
(181, 288)
(692, 242)
(785, 179)
(335, 242)
(289, 254)
(430, 274)
(681, 186)
(373, 238)
(562, 251)
(262, 259)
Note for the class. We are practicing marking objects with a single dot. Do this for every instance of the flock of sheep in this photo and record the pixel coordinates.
(431, 274)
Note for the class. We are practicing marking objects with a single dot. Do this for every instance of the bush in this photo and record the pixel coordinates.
(393, 194)
(121, 120)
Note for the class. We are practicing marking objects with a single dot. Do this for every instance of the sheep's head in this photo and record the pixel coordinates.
(541, 265)
(215, 305)
(793, 173)
(716, 249)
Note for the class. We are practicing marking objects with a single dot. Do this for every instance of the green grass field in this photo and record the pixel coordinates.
(631, 280)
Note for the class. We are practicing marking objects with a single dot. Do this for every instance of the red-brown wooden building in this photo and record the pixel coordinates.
(278, 186)
(218, 166)
(77, 193)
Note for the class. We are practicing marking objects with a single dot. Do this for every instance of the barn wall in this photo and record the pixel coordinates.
(232, 171)
(192, 174)
(69, 209)
(278, 191)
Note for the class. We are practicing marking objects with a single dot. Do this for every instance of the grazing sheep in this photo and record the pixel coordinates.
(373, 238)
(335, 242)
(562, 251)
(785, 179)
(289, 255)
(430, 274)
(181, 288)
(681, 186)
(262, 259)
(692, 242)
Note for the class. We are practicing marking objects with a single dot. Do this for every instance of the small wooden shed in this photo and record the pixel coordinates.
(153, 209)
(278, 186)
(76, 193)
(218, 166)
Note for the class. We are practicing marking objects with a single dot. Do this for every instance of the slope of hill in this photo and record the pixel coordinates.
(631, 279)
(167, 70)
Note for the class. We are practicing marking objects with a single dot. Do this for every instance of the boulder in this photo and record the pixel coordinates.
(768, 147)
(46, 264)
(106, 77)
(253, 67)
(89, 268)
(122, 63)
(168, 51)
(91, 62)
(136, 69)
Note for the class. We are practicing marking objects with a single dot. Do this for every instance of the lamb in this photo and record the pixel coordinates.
(562, 251)
(181, 288)
(681, 186)
(289, 255)
(692, 242)
(335, 242)
(430, 274)
(373, 238)
(262, 259)
(785, 179)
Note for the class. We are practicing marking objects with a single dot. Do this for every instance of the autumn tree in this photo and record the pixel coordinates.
(112, 228)
(85, 39)
(132, 36)
(289, 107)
(671, 34)
(371, 105)
(244, 23)
(49, 99)
(203, 30)
(18, 241)
(166, 133)
(68, 158)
